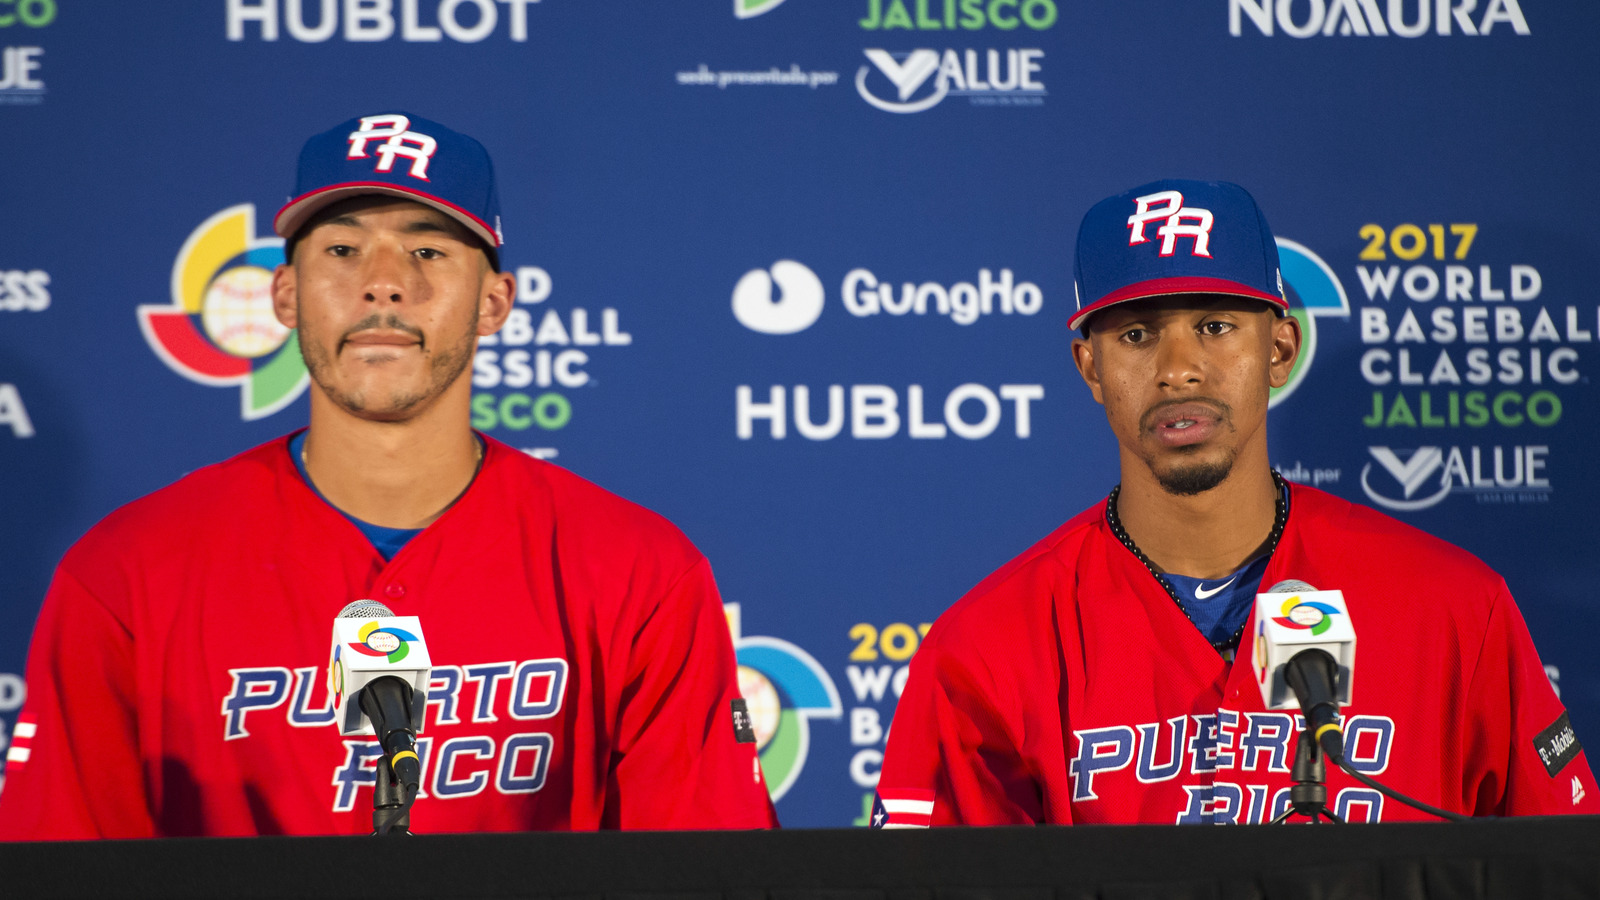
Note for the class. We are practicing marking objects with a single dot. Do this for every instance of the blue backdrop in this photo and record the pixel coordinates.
(906, 177)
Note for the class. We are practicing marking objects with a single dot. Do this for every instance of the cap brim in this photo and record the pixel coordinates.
(299, 210)
(1164, 287)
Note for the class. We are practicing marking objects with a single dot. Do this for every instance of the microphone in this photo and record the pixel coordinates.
(1305, 652)
(378, 672)
(1304, 656)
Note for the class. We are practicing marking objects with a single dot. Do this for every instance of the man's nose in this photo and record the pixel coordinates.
(385, 275)
(1178, 359)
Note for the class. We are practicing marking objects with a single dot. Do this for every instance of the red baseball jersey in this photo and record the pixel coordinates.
(583, 674)
(1068, 687)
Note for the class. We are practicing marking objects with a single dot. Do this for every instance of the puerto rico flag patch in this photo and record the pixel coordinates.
(902, 809)
(21, 743)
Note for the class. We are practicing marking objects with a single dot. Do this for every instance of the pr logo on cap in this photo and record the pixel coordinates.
(402, 155)
(400, 141)
(1174, 212)
(1130, 247)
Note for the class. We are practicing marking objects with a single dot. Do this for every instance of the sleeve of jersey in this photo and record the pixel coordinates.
(1523, 757)
(78, 772)
(680, 762)
(950, 759)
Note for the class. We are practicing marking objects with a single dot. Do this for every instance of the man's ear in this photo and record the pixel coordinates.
(1083, 358)
(1285, 349)
(285, 301)
(494, 304)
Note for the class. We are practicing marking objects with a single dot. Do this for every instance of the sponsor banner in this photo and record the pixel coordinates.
(795, 274)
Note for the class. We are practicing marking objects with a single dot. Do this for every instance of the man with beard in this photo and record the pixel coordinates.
(1098, 677)
(583, 673)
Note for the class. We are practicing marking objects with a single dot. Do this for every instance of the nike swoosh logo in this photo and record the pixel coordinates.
(1200, 592)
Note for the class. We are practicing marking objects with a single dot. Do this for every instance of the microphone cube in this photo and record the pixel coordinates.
(1290, 623)
(367, 649)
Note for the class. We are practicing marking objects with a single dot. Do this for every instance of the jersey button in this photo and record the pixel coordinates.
(395, 591)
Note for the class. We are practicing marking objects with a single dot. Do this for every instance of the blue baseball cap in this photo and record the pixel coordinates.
(1175, 237)
(401, 155)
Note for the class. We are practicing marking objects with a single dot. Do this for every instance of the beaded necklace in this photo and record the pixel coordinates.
(1280, 519)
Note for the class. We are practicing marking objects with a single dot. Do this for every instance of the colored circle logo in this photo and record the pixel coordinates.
(1307, 615)
(387, 641)
(1314, 291)
(237, 313)
(219, 328)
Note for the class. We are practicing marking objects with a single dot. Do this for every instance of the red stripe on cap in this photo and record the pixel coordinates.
(384, 187)
(1161, 287)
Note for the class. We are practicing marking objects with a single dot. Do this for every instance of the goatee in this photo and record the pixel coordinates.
(1195, 478)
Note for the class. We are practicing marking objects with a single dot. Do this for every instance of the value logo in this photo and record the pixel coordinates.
(921, 79)
(19, 81)
(1500, 475)
(219, 329)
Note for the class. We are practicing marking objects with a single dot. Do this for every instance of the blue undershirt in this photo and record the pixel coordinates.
(387, 541)
(1219, 607)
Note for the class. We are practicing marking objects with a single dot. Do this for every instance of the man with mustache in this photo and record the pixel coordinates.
(583, 671)
(1099, 677)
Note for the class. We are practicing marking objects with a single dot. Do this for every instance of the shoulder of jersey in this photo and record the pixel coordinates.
(1405, 551)
(211, 488)
(1015, 594)
(578, 504)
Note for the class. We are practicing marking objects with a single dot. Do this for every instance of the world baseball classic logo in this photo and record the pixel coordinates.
(219, 329)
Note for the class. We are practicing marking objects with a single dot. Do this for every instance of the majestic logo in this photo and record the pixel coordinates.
(1174, 212)
(219, 329)
(1008, 79)
(399, 140)
(784, 687)
(1303, 615)
(1316, 292)
(797, 308)
(388, 641)
(745, 9)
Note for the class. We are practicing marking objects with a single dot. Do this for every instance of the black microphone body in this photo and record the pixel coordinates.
(387, 702)
(1313, 676)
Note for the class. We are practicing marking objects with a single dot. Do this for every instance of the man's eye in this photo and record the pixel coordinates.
(1135, 335)
(342, 250)
(1216, 328)
(429, 253)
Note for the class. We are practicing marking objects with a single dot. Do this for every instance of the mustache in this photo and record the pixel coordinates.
(376, 320)
(1147, 422)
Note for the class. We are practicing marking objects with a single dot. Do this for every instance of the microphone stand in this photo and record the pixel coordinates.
(390, 813)
(1309, 795)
